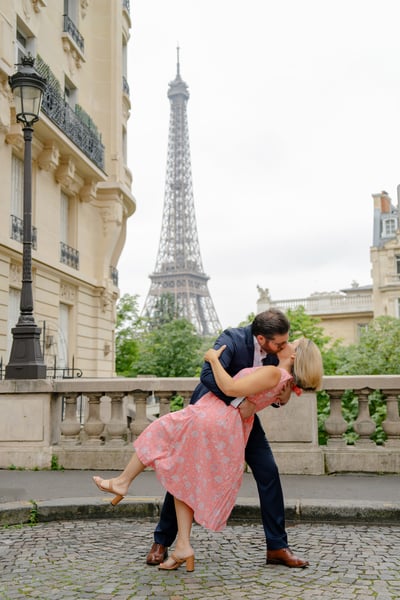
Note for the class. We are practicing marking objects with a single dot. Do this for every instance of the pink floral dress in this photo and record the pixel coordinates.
(198, 452)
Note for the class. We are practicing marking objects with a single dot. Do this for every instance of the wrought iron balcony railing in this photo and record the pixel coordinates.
(75, 124)
(72, 30)
(125, 86)
(69, 256)
(17, 231)
(114, 275)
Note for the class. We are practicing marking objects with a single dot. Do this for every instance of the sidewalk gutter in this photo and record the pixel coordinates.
(245, 510)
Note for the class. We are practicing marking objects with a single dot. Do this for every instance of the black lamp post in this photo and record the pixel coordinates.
(26, 358)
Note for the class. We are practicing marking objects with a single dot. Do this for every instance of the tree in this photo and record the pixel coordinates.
(376, 353)
(164, 311)
(170, 350)
(302, 324)
(127, 329)
(248, 320)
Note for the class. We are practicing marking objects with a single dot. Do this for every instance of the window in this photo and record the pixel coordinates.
(14, 299)
(17, 203)
(124, 146)
(71, 18)
(24, 43)
(71, 10)
(361, 327)
(389, 227)
(398, 308)
(17, 187)
(62, 342)
(124, 58)
(68, 255)
(64, 218)
(70, 93)
(397, 259)
(17, 199)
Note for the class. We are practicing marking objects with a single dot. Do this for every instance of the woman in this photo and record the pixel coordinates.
(198, 452)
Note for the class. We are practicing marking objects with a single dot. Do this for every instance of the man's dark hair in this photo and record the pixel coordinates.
(269, 323)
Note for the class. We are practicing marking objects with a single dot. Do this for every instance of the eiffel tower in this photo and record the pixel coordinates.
(178, 282)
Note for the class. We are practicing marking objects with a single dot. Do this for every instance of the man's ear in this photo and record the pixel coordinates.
(261, 339)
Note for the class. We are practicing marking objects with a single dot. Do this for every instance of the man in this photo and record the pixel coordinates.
(249, 346)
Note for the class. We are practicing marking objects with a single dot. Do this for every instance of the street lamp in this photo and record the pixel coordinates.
(26, 358)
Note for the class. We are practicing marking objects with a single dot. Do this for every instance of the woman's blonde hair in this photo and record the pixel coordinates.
(307, 367)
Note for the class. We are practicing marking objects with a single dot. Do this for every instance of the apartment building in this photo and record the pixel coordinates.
(81, 184)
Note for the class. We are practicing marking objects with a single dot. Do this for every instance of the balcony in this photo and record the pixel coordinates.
(17, 231)
(69, 256)
(329, 304)
(114, 275)
(72, 30)
(75, 124)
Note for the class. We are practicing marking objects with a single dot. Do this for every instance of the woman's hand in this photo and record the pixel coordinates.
(213, 354)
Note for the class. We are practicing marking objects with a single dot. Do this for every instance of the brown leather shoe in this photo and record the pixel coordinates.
(284, 556)
(158, 553)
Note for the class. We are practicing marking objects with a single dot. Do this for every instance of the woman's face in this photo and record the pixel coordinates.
(295, 343)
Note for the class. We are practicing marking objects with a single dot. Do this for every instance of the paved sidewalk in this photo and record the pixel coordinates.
(72, 494)
(104, 560)
(347, 526)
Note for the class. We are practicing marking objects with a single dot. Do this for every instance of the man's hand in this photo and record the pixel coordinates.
(247, 409)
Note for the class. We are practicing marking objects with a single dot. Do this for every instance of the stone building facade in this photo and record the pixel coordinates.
(81, 184)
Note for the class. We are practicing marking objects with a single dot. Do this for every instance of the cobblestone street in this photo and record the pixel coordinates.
(105, 559)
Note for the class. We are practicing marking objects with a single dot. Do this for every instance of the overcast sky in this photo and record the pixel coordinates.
(294, 122)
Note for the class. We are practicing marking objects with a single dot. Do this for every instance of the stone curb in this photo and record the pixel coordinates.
(148, 507)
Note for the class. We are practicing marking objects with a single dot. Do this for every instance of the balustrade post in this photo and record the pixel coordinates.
(364, 425)
(141, 421)
(335, 425)
(391, 425)
(165, 400)
(116, 427)
(186, 398)
(94, 426)
(70, 426)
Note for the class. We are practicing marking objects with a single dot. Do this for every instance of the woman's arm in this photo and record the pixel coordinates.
(258, 381)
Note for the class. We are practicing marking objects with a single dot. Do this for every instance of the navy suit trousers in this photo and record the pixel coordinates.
(261, 461)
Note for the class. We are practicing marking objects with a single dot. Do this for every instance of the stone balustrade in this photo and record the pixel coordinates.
(91, 423)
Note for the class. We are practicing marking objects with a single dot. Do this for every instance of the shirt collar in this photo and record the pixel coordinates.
(259, 353)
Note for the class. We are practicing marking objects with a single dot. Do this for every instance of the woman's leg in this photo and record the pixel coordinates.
(183, 548)
(119, 485)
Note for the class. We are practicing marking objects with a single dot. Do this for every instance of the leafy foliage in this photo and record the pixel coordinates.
(171, 350)
(126, 333)
(164, 311)
(176, 403)
(302, 324)
(376, 353)
(170, 347)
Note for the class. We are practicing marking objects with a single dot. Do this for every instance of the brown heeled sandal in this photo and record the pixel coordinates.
(100, 484)
(189, 560)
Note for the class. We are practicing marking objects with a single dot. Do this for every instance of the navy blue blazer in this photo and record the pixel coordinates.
(238, 354)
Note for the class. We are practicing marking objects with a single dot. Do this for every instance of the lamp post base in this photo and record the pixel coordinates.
(26, 359)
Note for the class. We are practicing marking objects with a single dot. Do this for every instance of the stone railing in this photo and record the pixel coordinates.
(91, 423)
